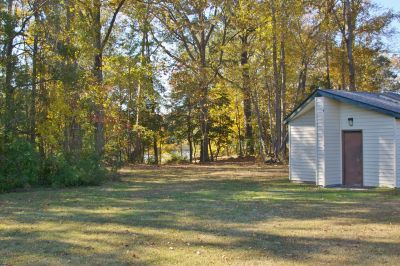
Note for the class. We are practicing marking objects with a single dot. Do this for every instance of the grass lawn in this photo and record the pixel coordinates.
(200, 215)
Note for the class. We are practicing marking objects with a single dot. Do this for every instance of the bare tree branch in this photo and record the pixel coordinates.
(110, 27)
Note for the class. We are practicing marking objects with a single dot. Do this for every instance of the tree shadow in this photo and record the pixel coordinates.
(187, 200)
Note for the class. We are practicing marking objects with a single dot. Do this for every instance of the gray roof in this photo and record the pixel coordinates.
(383, 102)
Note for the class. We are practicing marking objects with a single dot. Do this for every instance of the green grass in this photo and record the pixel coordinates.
(197, 215)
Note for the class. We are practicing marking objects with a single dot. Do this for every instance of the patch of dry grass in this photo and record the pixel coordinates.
(198, 215)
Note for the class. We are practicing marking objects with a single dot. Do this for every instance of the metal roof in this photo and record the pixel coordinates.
(383, 102)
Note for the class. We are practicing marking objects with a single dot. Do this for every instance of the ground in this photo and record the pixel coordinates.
(221, 214)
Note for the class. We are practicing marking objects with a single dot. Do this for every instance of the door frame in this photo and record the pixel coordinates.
(362, 155)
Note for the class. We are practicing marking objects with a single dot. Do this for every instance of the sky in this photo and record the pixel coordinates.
(394, 42)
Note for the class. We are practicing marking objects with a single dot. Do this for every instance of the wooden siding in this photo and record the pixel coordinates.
(379, 145)
(329, 142)
(302, 148)
(320, 147)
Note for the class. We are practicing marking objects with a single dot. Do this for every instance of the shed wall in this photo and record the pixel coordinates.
(379, 145)
(302, 147)
(316, 144)
(328, 142)
(320, 136)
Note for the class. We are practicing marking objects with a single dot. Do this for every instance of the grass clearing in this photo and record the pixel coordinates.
(220, 214)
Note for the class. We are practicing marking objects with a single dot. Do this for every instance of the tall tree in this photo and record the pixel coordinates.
(10, 35)
(192, 25)
(277, 83)
(99, 44)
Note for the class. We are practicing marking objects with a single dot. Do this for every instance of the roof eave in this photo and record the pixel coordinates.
(360, 104)
(301, 106)
(319, 92)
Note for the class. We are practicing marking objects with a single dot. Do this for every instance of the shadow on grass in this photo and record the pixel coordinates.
(163, 199)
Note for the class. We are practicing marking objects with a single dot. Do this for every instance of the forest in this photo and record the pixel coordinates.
(88, 86)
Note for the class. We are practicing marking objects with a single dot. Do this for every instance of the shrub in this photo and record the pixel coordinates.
(91, 172)
(56, 171)
(176, 158)
(152, 160)
(62, 172)
(19, 165)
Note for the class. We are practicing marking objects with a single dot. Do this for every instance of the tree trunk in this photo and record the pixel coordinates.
(239, 129)
(343, 66)
(155, 149)
(302, 81)
(190, 131)
(328, 10)
(72, 130)
(194, 152)
(303, 77)
(98, 74)
(160, 150)
(260, 126)
(190, 149)
(211, 151)
(246, 89)
(10, 129)
(129, 110)
(277, 87)
(283, 148)
(327, 61)
(204, 156)
(349, 44)
(142, 84)
(34, 76)
(270, 120)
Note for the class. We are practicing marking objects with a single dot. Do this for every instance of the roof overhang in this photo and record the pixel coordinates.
(300, 107)
(343, 99)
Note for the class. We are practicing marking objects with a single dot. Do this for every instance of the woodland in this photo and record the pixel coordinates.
(87, 86)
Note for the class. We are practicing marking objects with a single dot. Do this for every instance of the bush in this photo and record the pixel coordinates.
(61, 172)
(152, 160)
(177, 159)
(19, 165)
(90, 170)
(56, 171)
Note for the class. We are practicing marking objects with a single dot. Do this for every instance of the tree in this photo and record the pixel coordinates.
(85, 84)
(192, 25)
(99, 44)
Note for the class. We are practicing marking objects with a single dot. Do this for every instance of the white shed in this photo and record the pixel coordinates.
(346, 138)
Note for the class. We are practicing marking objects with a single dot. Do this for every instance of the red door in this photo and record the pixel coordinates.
(352, 158)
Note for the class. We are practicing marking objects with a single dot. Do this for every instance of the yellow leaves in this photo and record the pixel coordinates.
(51, 129)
